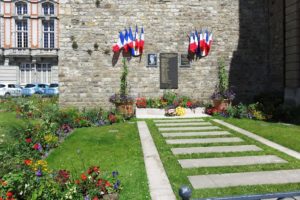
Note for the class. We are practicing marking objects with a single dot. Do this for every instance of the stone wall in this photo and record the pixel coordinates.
(241, 36)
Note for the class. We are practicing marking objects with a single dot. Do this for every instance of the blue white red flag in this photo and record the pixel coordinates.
(210, 40)
(197, 41)
(206, 42)
(136, 40)
(192, 46)
(142, 41)
(130, 39)
(126, 44)
(117, 47)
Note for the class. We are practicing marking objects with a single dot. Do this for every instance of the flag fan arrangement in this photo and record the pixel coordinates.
(129, 42)
(200, 43)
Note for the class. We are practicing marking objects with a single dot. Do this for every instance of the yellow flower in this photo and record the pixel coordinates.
(180, 111)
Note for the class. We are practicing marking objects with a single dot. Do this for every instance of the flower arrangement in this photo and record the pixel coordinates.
(180, 111)
(122, 96)
(141, 102)
(222, 89)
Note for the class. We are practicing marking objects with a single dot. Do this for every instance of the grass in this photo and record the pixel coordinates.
(115, 147)
(8, 121)
(178, 176)
(287, 135)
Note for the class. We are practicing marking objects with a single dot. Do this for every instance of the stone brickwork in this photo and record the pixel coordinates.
(241, 35)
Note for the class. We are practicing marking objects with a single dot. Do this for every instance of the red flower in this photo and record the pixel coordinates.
(27, 162)
(189, 104)
(107, 184)
(99, 182)
(83, 177)
(95, 198)
(36, 146)
(28, 140)
(96, 169)
(77, 182)
(9, 194)
(1, 198)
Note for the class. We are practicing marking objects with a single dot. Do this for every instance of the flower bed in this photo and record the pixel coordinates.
(24, 175)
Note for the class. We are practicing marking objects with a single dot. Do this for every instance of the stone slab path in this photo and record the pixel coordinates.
(183, 124)
(244, 179)
(204, 140)
(215, 149)
(179, 132)
(160, 187)
(230, 161)
(177, 120)
(189, 128)
(189, 134)
(260, 139)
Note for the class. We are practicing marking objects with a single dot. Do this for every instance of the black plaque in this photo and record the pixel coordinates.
(185, 60)
(168, 71)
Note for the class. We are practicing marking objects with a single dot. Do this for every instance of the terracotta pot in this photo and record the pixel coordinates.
(125, 109)
(221, 104)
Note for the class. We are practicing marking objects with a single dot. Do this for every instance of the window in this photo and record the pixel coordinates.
(11, 86)
(21, 8)
(22, 34)
(48, 9)
(35, 73)
(48, 34)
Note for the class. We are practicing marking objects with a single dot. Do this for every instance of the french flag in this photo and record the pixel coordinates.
(120, 43)
(192, 47)
(142, 41)
(197, 41)
(130, 39)
(206, 42)
(136, 42)
(126, 38)
(203, 43)
(210, 40)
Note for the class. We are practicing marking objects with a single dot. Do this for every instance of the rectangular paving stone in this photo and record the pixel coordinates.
(230, 161)
(200, 128)
(204, 140)
(159, 184)
(178, 120)
(184, 124)
(245, 178)
(215, 149)
(208, 133)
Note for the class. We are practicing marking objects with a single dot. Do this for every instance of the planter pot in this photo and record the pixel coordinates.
(126, 109)
(221, 104)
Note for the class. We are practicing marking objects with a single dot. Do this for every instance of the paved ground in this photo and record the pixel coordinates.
(178, 132)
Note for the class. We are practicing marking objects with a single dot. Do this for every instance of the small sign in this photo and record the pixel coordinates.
(185, 61)
(152, 60)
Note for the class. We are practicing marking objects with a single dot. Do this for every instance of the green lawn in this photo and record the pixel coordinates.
(8, 121)
(115, 147)
(178, 176)
(287, 135)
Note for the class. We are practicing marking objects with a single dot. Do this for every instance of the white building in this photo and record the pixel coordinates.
(29, 41)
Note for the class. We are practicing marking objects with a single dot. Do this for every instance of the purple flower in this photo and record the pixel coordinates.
(117, 185)
(87, 197)
(115, 174)
(39, 173)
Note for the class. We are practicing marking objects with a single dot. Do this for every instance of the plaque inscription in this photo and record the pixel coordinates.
(168, 71)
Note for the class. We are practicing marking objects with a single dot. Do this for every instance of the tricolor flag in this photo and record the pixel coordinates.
(203, 43)
(130, 39)
(192, 46)
(210, 40)
(120, 43)
(197, 41)
(126, 37)
(206, 42)
(136, 40)
(142, 41)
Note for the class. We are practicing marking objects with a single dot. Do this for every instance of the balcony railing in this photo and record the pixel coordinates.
(44, 52)
(27, 52)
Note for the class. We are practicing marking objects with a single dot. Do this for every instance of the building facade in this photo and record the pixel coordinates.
(29, 41)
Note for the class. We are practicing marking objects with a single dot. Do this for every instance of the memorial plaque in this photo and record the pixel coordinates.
(185, 61)
(168, 71)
